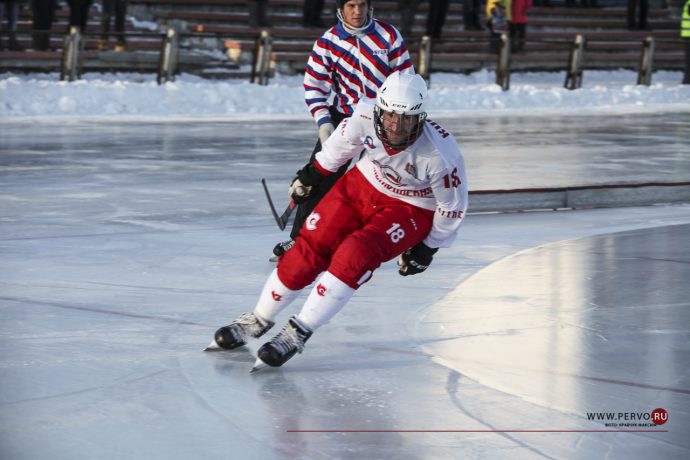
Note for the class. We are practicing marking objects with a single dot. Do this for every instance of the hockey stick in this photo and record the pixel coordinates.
(283, 218)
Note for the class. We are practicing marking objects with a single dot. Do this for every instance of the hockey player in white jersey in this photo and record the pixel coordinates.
(406, 197)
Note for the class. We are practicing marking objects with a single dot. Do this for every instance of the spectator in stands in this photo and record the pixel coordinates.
(117, 8)
(497, 14)
(11, 9)
(518, 24)
(43, 13)
(311, 14)
(348, 62)
(438, 9)
(257, 13)
(408, 11)
(685, 36)
(79, 13)
(470, 14)
(637, 14)
(436, 18)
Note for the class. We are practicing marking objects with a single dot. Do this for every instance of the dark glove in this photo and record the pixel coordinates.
(416, 260)
(305, 184)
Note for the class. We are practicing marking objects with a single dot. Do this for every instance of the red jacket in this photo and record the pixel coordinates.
(520, 8)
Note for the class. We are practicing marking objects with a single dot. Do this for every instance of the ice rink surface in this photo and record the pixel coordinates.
(125, 245)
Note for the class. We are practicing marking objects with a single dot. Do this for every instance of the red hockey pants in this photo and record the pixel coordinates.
(352, 230)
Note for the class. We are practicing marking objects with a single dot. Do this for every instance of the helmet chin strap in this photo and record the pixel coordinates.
(355, 30)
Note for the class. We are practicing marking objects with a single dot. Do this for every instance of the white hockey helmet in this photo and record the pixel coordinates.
(403, 97)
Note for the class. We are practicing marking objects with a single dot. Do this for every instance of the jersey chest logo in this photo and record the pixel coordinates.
(389, 174)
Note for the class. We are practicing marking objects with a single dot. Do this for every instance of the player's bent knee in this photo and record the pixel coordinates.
(300, 266)
(355, 260)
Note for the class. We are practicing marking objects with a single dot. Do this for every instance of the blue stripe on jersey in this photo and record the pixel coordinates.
(344, 85)
(314, 88)
(342, 52)
(318, 75)
(369, 54)
(316, 99)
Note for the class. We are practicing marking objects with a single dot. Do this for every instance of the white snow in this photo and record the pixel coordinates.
(138, 95)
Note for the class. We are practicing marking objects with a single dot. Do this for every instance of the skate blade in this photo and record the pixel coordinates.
(213, 346)
(258, 365)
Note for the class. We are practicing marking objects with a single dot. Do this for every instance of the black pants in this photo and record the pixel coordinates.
(470, 14)
(304, 209)
(79, 13)
(408, 10)
(438, 9)
(258, 12)
(117, 8)
(43, 17)
(311, 13)
(518, 36)
(637, 14)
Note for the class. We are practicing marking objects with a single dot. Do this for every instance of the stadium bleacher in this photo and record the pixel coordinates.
(208, 28)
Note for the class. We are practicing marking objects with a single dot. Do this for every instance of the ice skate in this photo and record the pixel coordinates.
(282, 347)
(235, 334)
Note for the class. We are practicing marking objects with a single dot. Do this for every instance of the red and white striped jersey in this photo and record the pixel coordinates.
(349, 67)
(429, 174)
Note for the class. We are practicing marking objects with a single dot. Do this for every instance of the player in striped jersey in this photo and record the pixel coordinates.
(349, 62)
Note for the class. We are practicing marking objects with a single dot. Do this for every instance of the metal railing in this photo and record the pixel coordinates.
(574, 66)
(263, 57)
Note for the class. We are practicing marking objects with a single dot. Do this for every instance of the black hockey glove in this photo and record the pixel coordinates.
(416, 260)
(305, 184)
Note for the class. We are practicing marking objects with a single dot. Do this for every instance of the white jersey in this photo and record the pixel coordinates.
(429, 174)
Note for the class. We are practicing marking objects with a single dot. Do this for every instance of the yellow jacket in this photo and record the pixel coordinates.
(507, 4)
